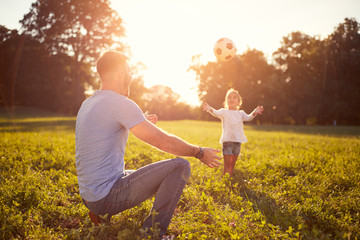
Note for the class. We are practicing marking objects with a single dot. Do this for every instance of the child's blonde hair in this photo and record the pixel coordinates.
(231, 90)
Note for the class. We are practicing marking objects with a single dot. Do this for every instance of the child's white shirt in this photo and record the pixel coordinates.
(232, 124)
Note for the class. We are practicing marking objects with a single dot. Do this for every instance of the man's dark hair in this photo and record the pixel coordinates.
(110, 61)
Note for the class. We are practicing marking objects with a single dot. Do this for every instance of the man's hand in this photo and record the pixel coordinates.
(210, 157)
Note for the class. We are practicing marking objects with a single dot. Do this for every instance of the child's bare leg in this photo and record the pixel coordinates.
(232, 162)
(227, 160)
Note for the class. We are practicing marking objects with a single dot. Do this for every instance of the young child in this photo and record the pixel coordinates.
(232, 126)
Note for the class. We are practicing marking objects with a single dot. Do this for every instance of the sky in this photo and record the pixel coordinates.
(165, 34)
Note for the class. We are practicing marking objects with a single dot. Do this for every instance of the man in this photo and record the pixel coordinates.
(102, 128)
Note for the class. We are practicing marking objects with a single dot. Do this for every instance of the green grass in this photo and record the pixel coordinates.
(291, 182)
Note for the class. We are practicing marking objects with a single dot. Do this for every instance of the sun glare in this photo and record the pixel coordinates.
(165, 35)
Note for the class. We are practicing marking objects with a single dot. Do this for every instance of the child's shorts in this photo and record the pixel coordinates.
(231, 148)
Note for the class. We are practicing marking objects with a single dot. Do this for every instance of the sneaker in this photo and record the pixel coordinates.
(95, 218)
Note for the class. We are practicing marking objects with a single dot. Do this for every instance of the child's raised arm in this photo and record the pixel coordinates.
(206, 107)
(257, 110)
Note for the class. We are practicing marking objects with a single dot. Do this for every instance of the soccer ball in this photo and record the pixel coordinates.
(224, 49)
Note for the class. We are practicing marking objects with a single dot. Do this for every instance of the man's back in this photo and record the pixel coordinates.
(102, 129)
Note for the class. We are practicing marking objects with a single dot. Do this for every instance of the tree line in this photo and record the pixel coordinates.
(48, 63)
(311, 80)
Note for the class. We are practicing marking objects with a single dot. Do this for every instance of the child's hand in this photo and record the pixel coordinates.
(206, 107)
(259, 109)
(151, 117)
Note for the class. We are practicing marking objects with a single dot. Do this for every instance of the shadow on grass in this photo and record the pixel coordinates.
(334, 131)
(24, 119)
(266, 205)
(36, 126)
(280, 216)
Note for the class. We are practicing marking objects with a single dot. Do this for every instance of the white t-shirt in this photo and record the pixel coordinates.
(101, 134)
(232, 124)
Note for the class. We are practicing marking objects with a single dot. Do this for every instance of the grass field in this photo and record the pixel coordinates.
(291, 182)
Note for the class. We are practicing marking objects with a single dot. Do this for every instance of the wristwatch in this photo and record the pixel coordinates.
(200, 154)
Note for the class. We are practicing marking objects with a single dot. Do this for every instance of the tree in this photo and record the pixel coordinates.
(257, 78)
(341, 93)
(164, 102)
(137, 88)
(248, 73)
(7, 53)
(81, 29)
(302, 60)
(42, 80)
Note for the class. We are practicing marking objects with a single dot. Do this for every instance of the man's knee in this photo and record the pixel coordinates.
(185, 166)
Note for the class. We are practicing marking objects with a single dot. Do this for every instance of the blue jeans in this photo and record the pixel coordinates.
(231, 148)
(166, 179)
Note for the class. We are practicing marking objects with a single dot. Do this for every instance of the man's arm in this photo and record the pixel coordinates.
(160, 139)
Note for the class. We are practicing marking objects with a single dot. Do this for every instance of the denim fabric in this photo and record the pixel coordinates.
(166, 179)
(231, 148)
